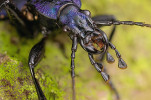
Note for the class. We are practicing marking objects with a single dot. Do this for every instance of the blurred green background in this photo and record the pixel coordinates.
(133, 42)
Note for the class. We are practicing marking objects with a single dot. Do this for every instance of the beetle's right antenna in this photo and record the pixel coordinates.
(109, 23)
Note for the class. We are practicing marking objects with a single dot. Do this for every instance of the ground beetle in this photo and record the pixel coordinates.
(33, 16)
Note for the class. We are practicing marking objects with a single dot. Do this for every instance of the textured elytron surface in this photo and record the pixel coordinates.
(50, 8)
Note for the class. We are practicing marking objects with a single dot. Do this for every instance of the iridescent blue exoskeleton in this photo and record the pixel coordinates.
(33, 16)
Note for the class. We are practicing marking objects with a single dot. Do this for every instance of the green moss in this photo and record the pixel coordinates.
(13, 80)
(16, 82)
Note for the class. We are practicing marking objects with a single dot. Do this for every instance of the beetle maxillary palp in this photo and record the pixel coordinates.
(121, 62)
(109, 58)
(99, 68)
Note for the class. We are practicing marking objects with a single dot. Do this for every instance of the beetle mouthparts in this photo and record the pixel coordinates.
(98, 42)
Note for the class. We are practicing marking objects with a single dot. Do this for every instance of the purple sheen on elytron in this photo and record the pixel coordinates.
(50, 8)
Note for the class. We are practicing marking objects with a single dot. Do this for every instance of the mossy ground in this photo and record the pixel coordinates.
(53, 72)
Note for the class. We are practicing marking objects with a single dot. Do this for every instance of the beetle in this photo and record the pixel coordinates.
(45, 16)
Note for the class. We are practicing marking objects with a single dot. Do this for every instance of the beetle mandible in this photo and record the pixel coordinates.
(49, 15)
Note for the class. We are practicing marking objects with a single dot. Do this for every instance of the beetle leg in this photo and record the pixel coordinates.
(74, 48)
(36, 54)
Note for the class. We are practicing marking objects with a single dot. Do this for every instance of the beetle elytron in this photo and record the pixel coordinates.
(33, 16)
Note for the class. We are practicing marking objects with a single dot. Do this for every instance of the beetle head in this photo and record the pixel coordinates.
(79, 23)
(91, 38)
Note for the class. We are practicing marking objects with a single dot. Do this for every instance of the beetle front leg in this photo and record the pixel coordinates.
(36, 54)
(74, 48)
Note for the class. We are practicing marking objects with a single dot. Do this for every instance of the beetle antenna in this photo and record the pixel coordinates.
(109, 23)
